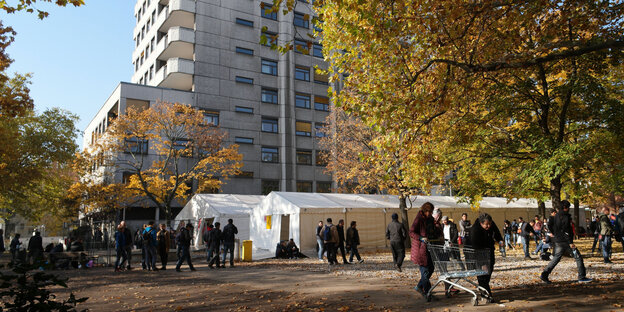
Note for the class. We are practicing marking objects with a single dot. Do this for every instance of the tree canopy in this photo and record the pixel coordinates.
(152, 157)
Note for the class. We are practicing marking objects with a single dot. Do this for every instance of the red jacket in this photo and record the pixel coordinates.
(418, 230)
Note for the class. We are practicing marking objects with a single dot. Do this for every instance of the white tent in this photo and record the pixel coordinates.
(284, 215)
(204, 209)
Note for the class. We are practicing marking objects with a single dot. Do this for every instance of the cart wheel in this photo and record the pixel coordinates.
(428, 297)
(488, 299)
(475, 301)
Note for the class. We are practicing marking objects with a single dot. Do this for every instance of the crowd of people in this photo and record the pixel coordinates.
(330, 238)
(556, 233)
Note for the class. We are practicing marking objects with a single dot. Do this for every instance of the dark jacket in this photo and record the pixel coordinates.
(229, 232)
(484, 239)
(396, 232)
(464, 228)
(15, 244)
(619, 224)
(128, 237)
(35, 243)
(184, 237)
(120, 240)
(76, 246)
(164, 240)
(341, 234)
(417, 231)
(606, 228)
(561, 227)
(214, 239)
(353, 237)
(453, 232)
(526, 229)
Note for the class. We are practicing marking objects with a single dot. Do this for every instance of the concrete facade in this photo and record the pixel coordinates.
(207, 53)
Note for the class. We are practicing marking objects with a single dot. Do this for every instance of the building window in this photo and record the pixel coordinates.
(269, 125)
(244, 51)
(301, 20)
(304, 186)
(322, 157)
(301, 46)
(211, 118)
(270, 154)
(269, 96)
(319, 130)
(267, 11)
(321, 78)
(317, 50)
(323, 187)
(303, 128)
(244, 22)
(243, 109)
(269, 67)
(242, 79)
(271, 38)
(321, 103)
(125, 177)
(243, 140)
(302, 73)
(136, 146)
(269, 186)
(302, 100)
(183, 146)
(304, 157)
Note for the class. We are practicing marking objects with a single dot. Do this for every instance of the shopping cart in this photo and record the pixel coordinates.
(455, 264)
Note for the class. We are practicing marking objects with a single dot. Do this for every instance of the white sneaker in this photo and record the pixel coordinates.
(320, 260)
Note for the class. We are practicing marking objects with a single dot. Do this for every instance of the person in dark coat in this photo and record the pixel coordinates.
(120, 248)
(14, 246)
(281, 250)
(214, 242)
(396, 234)
(561, 228)
(341, 240)
(2, 248)
(129, 243)
(35, 248)
(421, 232)
(229, 238)
(292, 249)
(184, 240)
(483, 235)
(164, 244)
(353, 240)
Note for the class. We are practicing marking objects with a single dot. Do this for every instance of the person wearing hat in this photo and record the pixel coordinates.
(619, 226)
(396, 233)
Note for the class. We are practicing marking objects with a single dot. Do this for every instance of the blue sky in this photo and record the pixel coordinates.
(77, 55)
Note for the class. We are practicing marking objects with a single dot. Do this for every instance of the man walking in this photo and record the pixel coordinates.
(164, 244)
(35, 248)
(561, 228)
(214, 242)
(341, 240)
(319, 240)
(128, 241)
(184, 239)
(229, 233)
(206, 238)
(353, 240)
(396, 233)
(149, 245)
(120, 248)
(330, 239)
(606, 231)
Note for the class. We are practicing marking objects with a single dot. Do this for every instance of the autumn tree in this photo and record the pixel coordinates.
(29, 6)
(515, 94)
(360, 160)
(160, 152)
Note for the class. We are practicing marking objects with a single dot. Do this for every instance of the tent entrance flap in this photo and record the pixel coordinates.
(285, 228)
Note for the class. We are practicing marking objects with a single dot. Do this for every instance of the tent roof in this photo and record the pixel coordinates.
(231, 204)
(333, 200)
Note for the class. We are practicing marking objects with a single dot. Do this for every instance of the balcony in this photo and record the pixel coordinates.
(178, 13)
(178, 42)
(176, 74)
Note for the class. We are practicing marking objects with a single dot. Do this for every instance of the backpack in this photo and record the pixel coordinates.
(327, 233)
(147, 237)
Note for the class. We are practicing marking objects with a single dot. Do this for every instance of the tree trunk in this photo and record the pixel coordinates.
(577, 212)
(404, 220)
(555, 192)
(541, 208)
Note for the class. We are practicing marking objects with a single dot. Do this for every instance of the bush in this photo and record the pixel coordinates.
(26, 290)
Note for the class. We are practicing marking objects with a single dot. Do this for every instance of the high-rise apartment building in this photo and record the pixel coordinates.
(207, 53)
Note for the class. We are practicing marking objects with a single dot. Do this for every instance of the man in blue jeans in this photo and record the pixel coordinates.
(319, 241)
(606, 231)
(229, 232)
(184, 244)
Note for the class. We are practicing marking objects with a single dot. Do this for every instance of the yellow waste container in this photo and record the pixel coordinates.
(246, 252)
